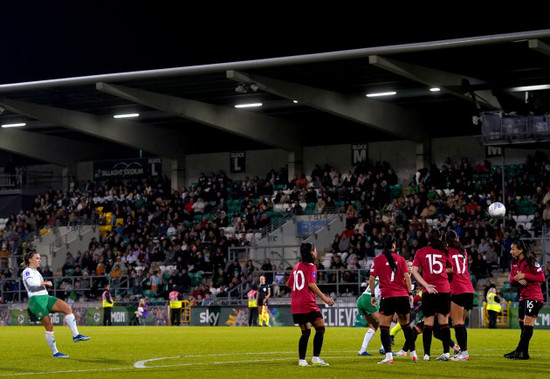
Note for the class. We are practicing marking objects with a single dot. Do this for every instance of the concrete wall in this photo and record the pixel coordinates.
(401, 155)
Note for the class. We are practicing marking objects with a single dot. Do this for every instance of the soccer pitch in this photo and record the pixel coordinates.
(250, 352)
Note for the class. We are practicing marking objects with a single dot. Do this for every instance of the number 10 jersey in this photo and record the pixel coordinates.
(302, 299)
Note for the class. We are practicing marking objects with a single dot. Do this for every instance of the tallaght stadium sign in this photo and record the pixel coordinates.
(134, 168)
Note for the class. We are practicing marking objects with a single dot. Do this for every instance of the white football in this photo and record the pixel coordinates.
(497, 209)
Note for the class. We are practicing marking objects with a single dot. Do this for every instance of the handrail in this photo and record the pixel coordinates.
(119, 284)
(77, 223)
(66, 239)
(330, 282)
(274, 225)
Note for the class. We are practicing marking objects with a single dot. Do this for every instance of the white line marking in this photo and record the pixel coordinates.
(142, 364)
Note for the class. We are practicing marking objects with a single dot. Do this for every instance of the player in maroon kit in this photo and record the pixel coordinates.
(394, 281)
(430, 271)
(526, 274)
(462, 292)
(303, 304)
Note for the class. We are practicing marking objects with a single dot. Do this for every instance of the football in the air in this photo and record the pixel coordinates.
(497, 209)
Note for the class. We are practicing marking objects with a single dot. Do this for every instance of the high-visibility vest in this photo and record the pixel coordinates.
(106, 304)
(492, 305)
(175, 302)
(252, 298)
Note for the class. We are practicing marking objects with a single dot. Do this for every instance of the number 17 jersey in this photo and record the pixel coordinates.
(461, 281)
(302, 299)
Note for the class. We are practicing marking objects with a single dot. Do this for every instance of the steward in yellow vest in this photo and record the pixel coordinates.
(493, 307)
(252, 306)
(108, 303)
(175, 306)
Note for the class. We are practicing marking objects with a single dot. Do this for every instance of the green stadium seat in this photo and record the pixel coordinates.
(396, 191)
(148, 293)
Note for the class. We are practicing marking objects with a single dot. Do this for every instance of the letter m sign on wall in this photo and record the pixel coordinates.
(493, 151)
(359, 153)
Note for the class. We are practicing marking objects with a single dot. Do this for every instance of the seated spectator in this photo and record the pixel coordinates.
(320, 206)
(199, 206)
(479, 265)
(248, 270)
(321, 274)
(296, 208)
(267, 269)
(68, 265)
(491, 258)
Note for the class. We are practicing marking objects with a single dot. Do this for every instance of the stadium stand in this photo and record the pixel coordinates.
(153, 237)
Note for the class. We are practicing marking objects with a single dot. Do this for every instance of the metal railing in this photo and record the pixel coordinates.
(280, 221)
(342, 283)
(77, 231)
(498, 128)
(78, 226)
(68, 287)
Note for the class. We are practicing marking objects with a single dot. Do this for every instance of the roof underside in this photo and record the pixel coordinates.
(474, 75)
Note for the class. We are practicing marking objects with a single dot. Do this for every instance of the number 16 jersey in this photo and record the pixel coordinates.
(302, 299)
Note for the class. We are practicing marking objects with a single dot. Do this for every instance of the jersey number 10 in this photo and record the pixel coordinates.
(299, 280)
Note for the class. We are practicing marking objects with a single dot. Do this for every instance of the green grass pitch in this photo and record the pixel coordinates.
(255, 352)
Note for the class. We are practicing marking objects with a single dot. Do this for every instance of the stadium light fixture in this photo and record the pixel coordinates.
(249, 105)
(538, 87)
(378, 94)
(16, 125)
(126, 115)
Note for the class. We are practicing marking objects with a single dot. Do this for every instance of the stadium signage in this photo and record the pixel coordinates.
(119, 317)
(339, 316)
(493, 151)
(543, 320)
(359, 153)
(237, 161)
(210, 317)
(128, 168)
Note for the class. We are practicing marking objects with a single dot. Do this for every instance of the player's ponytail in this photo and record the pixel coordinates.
(27, 257)
(434, 240)
(530, 256)
(452, 240)
(305, 252)
(388, 242)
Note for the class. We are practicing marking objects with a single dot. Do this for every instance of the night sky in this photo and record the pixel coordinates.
(59, 39)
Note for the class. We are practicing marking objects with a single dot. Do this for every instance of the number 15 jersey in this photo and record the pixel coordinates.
(433, 265)
(302, 299)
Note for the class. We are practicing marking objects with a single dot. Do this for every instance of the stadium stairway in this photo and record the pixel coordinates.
(500, 280)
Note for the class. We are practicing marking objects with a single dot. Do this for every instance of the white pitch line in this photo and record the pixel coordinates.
(68, 371)
(141, 364)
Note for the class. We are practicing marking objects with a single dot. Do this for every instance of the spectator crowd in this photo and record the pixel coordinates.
(159, 238)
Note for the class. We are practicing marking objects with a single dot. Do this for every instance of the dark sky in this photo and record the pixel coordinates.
(57, 39)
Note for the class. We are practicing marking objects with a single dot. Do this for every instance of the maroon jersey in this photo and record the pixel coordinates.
(532, 290)
(461, 281)
(302, 299)
(392, 284)
(433, 267)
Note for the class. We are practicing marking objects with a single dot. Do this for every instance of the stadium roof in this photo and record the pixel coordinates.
(310, 99)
